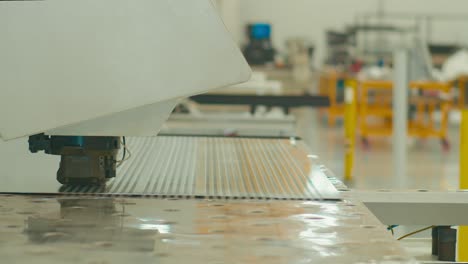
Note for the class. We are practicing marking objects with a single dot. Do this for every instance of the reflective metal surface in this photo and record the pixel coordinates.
(135, 230)
(238, 168)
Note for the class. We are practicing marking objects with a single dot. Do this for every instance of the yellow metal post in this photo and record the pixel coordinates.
(350, 127)
(461, 92)
(462, 239)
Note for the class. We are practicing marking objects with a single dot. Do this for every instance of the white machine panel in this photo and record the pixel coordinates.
(63, 62)
(141, 121)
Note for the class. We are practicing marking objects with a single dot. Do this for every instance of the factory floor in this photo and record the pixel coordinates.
(428, 166)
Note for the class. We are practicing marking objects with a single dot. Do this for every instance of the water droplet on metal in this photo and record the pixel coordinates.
(104, 244)
(315, 218)
(257, 212)
(265, 239)
(171, 210)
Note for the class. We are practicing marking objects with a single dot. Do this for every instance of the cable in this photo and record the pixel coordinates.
(415, 232)
(126, 153)
(129, 154)
(391, 227)
(125, 148)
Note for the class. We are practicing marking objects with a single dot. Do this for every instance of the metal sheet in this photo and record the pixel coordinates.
(109, 230)
(237, 168)
(220, 167)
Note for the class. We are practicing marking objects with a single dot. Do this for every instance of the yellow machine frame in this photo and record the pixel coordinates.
(327, 87)
(423, 129)
(461, 83)
(380, 108)
(423, 126)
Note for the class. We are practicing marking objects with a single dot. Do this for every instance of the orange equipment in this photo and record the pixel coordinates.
(426, 98)
(328, 86)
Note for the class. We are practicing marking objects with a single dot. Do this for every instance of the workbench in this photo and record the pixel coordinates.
(197, 200)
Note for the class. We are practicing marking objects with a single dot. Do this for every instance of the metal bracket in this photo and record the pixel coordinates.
(419, 207)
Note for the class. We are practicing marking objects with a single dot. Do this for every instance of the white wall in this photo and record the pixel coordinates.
(231, 13)
(310, 18)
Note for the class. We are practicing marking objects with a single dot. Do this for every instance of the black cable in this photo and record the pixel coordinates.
(124, 148)
(415, 232)
(391, 227)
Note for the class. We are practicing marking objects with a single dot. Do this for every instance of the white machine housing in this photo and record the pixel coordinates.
(108, 67)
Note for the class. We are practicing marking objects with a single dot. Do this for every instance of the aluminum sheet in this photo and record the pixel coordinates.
(95, 230)
(199, 167)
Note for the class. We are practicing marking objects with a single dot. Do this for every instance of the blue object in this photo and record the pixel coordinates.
(381, 63)
(340, 87)
(71, 141)
(260, 31)
(78, 140)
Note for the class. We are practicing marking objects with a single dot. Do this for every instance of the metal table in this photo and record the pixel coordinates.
(131, 230)
(197, 200)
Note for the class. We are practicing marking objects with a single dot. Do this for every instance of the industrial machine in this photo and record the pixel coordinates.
(84, 160)
(87, 80)
(259, 50)
(76, 88)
